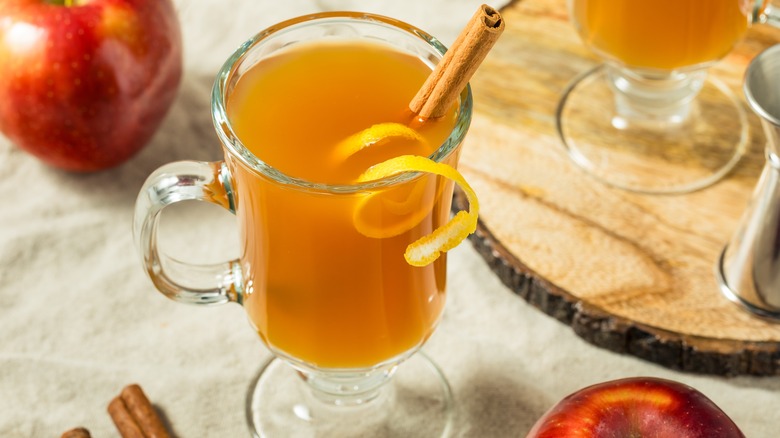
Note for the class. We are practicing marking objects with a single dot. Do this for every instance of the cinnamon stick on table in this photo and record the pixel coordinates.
(458, 64)
(134, 416)
(78, 432)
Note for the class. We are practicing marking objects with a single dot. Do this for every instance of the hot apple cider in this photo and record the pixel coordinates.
(345, 298)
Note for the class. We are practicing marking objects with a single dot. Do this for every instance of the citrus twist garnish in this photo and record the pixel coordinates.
(428, 248)
(391, 212)
(379, 133)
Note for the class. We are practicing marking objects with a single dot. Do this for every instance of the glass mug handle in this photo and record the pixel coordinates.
(764, 12)
(180, 281)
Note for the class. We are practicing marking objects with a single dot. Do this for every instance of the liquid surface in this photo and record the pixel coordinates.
(293, 110)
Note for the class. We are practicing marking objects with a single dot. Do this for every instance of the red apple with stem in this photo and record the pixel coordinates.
(634, 408)
(84, 84)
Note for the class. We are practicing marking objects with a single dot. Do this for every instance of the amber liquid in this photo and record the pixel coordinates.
(320, 288)
(660, 34)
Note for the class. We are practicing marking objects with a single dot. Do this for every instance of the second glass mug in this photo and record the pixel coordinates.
(347, 344)
(664, 125)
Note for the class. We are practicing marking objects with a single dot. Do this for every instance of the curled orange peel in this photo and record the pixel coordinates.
(377, 134)
(428, 248)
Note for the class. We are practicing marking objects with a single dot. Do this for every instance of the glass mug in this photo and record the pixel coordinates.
(667, 126)
(339, 307)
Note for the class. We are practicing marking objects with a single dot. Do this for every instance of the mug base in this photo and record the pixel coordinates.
(678, 155)
(416, 401)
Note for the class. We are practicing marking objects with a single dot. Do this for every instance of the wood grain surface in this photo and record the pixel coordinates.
(629, 272)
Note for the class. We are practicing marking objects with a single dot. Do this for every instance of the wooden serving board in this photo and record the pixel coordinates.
(629, 272)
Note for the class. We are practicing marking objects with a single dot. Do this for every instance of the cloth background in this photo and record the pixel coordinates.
(79, 319)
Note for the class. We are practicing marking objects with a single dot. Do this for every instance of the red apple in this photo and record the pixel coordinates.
(636, 407)
(85, 83)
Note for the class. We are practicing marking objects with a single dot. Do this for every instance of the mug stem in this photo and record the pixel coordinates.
(656, 102)
(350, 388)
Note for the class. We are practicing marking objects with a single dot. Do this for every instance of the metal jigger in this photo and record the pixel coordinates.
(749, 268)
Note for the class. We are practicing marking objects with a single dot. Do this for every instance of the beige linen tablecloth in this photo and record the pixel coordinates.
(79, 319)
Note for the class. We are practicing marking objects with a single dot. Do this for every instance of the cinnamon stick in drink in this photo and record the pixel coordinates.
(458, 64)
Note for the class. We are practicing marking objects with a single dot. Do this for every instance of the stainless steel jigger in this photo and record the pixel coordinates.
(749, 266)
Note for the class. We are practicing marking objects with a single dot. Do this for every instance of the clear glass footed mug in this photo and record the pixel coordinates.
(322, 274)
(650, 119)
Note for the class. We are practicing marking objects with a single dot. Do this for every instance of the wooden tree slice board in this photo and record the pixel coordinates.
(631, 273)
